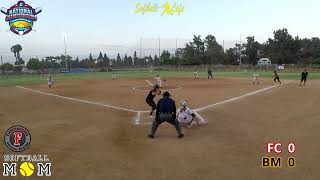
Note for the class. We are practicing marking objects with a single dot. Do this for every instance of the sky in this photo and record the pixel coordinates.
(111, 25)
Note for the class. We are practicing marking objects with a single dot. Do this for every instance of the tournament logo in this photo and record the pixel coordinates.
(21, 17)
(17, 138)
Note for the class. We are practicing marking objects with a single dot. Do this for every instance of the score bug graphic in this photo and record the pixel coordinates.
(278, 162)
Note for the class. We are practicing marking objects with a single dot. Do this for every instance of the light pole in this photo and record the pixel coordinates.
(65, 48)
(2, 68)
(240, 50)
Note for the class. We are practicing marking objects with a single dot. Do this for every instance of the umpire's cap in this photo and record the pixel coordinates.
(166, 94)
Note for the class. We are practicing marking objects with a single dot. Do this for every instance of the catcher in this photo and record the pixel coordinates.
(185, 115)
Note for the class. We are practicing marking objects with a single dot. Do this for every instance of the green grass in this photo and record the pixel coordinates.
(13, 80)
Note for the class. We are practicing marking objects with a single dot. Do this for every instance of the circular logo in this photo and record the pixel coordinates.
(17, 138)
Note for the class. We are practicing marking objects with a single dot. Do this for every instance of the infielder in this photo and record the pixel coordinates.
(256, 78)
(114, 76)
(210, 76)
(185, 115)
(304, 77)
(195, 74)
(276, 77)
(50, 81)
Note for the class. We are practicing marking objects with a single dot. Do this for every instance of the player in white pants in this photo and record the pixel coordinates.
(185, 115)
(195, 74)
(158, 81)
(114, 76)
(50, 81)
(256, 79)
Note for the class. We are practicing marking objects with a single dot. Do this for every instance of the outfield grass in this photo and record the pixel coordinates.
(14, 80)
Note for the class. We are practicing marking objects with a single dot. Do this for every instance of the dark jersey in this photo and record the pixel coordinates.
(151, 95)
(304, 75)
(210, 72)
(166, 105)
(276, 75)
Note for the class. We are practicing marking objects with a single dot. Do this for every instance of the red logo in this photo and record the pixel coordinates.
(17, 138)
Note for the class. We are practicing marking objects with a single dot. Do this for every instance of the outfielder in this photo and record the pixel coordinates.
(185, 115)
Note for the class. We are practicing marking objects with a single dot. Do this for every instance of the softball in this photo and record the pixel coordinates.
(26, 169)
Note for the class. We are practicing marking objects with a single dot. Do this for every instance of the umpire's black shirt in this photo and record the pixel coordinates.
(166, 105)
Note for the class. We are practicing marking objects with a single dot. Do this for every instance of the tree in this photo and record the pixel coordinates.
(34, 64)
(199, 47)
(130, 61)
(118, 61)
(100, 57)
(156, 60)
(92, 62)
(165, 58)
(106, 60)
(135, 58)
(252, 49)
(150, 60)
(7, 67)
(310, 51)
(16, 49)
(214, 51)
(231, 56)
(283, 48)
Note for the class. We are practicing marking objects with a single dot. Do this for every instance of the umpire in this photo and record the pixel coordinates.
(166, 112)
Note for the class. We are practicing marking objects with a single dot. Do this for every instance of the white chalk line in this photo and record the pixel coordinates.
(82, 101)
(137, 121)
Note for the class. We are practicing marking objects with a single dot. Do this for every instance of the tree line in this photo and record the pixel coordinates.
(282, 48)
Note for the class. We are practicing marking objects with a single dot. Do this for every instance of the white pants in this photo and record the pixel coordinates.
(184, 119)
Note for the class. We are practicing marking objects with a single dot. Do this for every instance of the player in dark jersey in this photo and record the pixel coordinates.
(210, 76)
(166, 112)
(276, 77)
(149, 100)
(304, 77)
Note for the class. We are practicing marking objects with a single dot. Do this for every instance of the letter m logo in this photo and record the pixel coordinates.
(7, 169)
